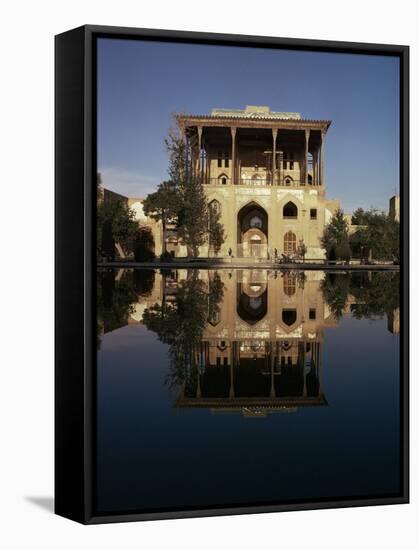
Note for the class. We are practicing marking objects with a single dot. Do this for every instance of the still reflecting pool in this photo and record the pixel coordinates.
(236, 387)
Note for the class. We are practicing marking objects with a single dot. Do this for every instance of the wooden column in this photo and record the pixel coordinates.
(322, 178)
(207, 164)
(233, 154)
(274, 134)
(198, 387)
(230, 356)
(199, 160)
(304, 373)
(280, 168)
(272, 364)
(306, 139)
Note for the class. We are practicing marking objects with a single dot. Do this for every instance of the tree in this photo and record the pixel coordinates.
(192, 212)
(180, 324)
(193, 215)
(378, 237)
(182, 199)
(143, 244)
(115, 224)
(115, 299)
(162, 206)
(359, 217)
(375, 293)
(215, 295)
(343, 250)
(301, 249)
(335, 290)
(216, 235)
(393, 239)
(335, 238)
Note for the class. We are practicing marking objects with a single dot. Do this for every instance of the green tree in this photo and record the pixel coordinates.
(379, 236)
(335, 238)
(301, 249)
(163, 206)
(115, 299)
(375, 293)
(143, 244)
(115, 224)
(180, 324)
(335, 290)
(216, 235)
(359, 217)
(393, 239)
(192, 214)
(215, 295)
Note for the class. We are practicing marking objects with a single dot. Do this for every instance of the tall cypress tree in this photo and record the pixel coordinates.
(216, 235)
(192, 215)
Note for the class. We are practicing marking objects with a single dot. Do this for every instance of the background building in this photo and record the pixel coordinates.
(394, 208)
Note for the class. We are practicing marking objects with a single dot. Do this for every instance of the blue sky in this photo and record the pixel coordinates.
(141, 84)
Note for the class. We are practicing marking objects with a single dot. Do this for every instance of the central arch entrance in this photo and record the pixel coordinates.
(252, 301)
(252, 232)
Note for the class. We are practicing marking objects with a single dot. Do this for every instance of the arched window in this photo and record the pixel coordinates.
(289, 316)
(290, 210)
(214, 317)
(215, 207)
(288, 181)
(222, 178)
(290, 243)
(290, 285)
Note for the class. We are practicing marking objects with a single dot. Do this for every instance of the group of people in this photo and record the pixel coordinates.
(283, 259)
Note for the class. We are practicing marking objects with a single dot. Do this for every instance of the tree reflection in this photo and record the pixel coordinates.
(369, 294)
(335, 290)
(116, 292)
(180, 323)
(375, 294)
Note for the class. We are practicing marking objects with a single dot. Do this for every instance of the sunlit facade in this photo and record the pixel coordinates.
(264, 171)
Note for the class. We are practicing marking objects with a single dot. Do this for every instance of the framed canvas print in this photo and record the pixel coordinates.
(231, 274)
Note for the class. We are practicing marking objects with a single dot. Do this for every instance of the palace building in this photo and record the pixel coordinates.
(264, 171)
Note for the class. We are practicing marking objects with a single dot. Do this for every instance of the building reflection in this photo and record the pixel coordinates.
(261, 351)
(247, 341)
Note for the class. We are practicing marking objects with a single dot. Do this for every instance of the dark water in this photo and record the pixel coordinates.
(252, 386)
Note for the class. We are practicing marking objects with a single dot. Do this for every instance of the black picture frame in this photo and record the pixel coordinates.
(75, 263)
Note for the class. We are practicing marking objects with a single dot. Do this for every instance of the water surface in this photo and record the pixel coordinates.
(237, 387)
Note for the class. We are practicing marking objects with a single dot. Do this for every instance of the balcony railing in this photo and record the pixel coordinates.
(257, 182)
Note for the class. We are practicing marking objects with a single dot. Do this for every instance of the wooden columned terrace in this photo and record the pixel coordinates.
(271, 138)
